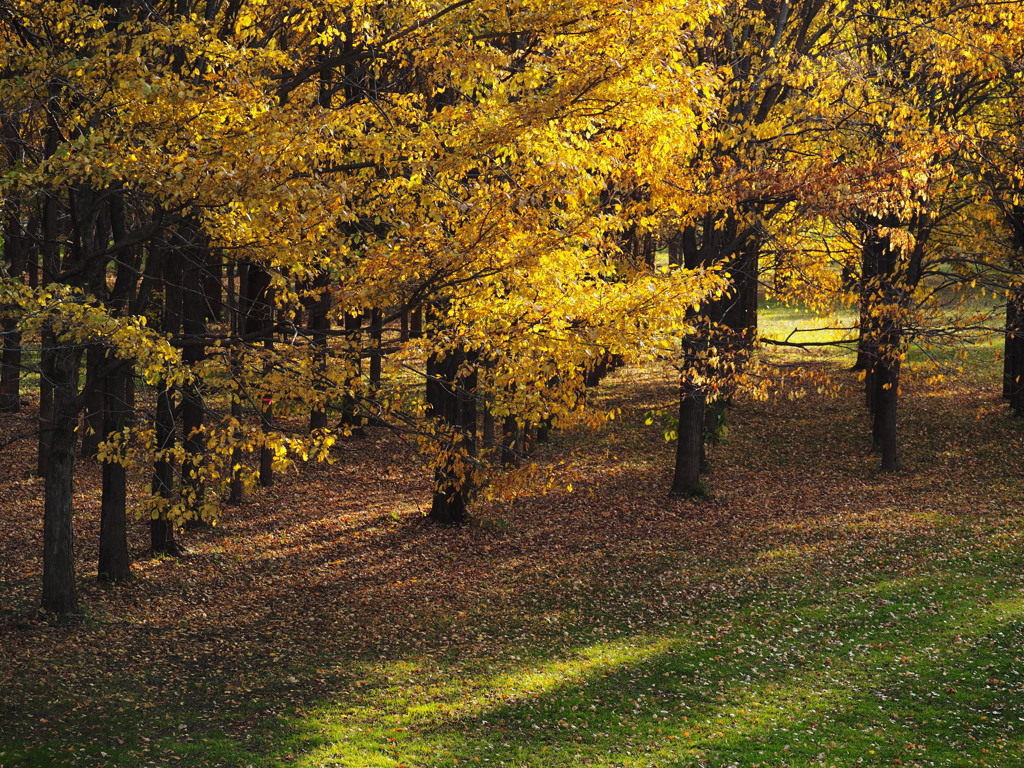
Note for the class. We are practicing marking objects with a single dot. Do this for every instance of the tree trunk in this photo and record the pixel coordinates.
(114, 562)
(416, 323)
(319, 327)
(451, 397)
(1013, 359)
(403, 324)
(258, 311)
(353, 333)
(161, 529)
(376, 355)
(60, 368)
(16, 256)
(690, 442)
(10, 368)
(45, 410)
(886, 398)
(92, 418)
(195, 310)
(236, 490)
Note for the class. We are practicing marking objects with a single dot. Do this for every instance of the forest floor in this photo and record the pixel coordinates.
(812, 612)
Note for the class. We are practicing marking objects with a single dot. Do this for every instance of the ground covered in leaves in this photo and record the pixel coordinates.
(812, 612)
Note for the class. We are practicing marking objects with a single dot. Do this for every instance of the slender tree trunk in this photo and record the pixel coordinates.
(92, 419)
(511, 443)
(376, 355)
(16, 253)
(10, 368)
(195, 309)
(45, 410)
(161, 529)
(487, 430)
(258, 311)
(50, 270)
(114, 562)
(16, 256)
(60, 368)
(237, 491)
(1011, 353)
(353, 324)
(690, 443)
(675, 250)
(319, 327)
(1013, 359)
(866, 351)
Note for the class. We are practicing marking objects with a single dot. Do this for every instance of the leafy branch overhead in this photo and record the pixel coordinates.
(237, 234)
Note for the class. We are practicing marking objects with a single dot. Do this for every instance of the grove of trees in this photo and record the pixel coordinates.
(235, 233)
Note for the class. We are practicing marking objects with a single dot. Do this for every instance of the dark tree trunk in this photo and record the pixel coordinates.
(1011, 352)
(353, 333)
(10, 368)
(92, 418)
(886, 398)
(690, 442)
(319, 327)
(451, 397)
(728, 324)
(376, 354)
(195, 310)
(266, 452)
(234, 304)
(45, 410)
(866, 331)
(403, 324)
(598, 371)
(1013, 373)
(114, 563)
(16, 256)
(675, 250)
(544, 431)
(60, 367)
(236, 491)
(739, 312)
(51, 270)
(511, 443)
(161, 529)
(258, 311)
(487, 430)
(882, 310)
(449, 503)
(213, 286)
(1013, 359)
(416, 323)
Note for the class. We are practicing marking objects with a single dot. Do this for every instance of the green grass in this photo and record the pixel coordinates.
(812, 612)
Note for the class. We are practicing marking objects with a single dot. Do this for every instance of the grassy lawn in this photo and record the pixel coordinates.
(812, 612)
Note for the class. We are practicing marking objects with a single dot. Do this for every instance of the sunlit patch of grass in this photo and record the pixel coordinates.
(813, 613)
(886, 671)
(787, 322)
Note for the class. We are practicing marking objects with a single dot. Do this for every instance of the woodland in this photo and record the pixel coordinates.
(412, 383)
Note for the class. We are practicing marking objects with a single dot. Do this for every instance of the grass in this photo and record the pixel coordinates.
(810, 612)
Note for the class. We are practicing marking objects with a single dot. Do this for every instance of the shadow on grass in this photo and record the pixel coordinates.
(799, 614)
(898, 671)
